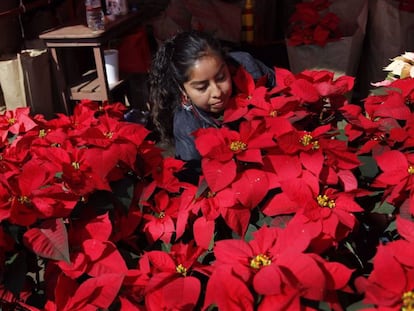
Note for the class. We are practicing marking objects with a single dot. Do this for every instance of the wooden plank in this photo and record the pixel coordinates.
(90, 87)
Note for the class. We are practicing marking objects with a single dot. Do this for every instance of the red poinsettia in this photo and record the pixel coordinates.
(171, 284)
(233, 204)
(405, 5)
(320, 90)
(390, 284)
(81, 119)
(165, 175)
(371, 135)
(96, 292)
(321, 153)
(278, 106)
(265, 264)
(32, 195)
(406, 86)
(280, 199)
(115, 110)
(311, 23)
(250, 93)
(160, 224)
(390, 105)
(397, 169)
(222, 148)
(328, 212)
(16, 121)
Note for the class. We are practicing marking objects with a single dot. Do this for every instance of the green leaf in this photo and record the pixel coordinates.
(379, 91)
(383, 208)
(249, 233)
(359, 305)
(264, 220)
(324, 306)
(201, 188)
(123, 190)
(351, 249)
(166, 247)
(341, 126)
(369, 167)
(392, 227)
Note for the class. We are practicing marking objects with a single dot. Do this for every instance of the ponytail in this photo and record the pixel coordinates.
(164, 92)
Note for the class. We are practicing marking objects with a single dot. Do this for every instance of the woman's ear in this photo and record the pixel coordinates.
(185, 100)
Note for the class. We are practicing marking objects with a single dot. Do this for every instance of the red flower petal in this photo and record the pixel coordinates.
(268, 281)
(251, 187)
(100, 291)
(218, 174)
(304, 90)
(405, 228)
(227, 292)
(181, 293)
(237, 218)
(161, 261)
(280, 204)
(203, 232)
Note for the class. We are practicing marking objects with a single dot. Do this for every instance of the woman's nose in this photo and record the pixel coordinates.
(216, 90)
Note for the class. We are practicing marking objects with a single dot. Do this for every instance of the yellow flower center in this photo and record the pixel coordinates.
(273, 113)
(260, 261)
(23, 199)
(109, 134)
(238, 146)
(408, 301)
(11, 121)
(181, 270)
(325, 201)
(248, 97)
(379, 137)
(42, 133)
(411, 170)
(210, 194)
(307, 140)
(76, 165)
(161, 215)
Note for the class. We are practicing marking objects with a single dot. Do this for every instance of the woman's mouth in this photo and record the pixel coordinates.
(218, 105)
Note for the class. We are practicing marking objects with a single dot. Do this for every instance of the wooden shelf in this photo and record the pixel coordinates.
(92, 89)
(92, 85)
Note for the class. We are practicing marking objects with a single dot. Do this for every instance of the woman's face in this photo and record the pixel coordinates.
(209, 85)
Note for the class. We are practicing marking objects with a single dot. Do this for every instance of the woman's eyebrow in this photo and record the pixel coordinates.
(195, 83)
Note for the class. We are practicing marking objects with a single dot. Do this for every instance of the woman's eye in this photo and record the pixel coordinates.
(221, 77)
(201, 88)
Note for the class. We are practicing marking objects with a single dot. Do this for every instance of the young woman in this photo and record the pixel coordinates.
(190, 85)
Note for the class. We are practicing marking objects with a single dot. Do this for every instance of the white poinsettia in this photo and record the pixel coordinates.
(401, 67)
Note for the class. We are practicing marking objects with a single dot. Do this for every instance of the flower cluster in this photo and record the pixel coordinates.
(401, 67)
(405, 5)
(312, 23)
(304, 202)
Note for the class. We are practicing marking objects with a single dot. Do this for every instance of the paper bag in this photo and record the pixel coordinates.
(217, 17)
(340, 56)
(390, 33)
(11, 82)
(37, 81)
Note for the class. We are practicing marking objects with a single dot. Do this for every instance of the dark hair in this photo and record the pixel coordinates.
(169, 71)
